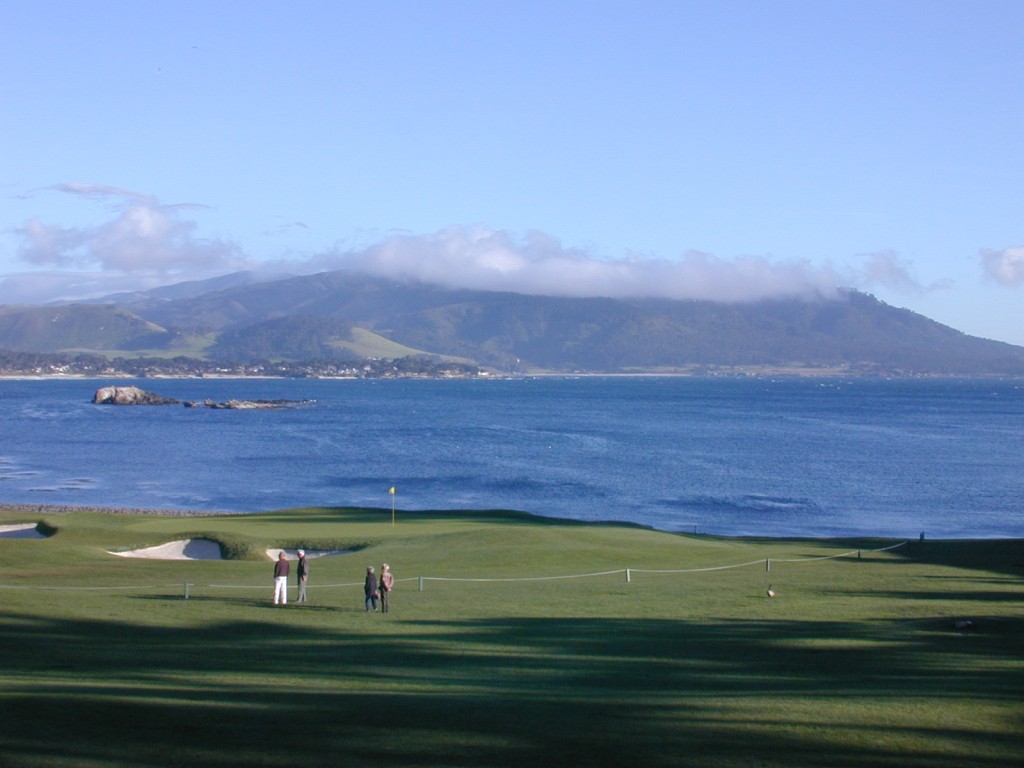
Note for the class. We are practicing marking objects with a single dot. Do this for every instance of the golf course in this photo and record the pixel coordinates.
(511, 640)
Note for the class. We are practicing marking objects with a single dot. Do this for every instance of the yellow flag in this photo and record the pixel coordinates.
(391, 490)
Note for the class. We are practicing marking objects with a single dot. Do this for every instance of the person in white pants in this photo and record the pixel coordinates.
(281, 579)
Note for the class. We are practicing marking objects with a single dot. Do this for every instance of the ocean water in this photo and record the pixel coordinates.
(788, 457)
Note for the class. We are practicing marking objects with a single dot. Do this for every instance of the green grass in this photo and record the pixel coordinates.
(363, 344)
(856, 662)
(367, 344)
(191, 345)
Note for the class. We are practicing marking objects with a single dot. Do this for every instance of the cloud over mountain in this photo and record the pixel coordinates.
(480, 258)
(1006, 267)
(141, 242)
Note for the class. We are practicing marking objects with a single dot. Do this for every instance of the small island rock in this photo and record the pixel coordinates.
(129, 396)
(136, 396)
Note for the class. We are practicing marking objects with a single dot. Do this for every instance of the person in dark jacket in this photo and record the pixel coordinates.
(370, 588)
(281, 569)
(302, 572)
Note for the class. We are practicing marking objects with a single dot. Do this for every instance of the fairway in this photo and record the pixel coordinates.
(512, 640)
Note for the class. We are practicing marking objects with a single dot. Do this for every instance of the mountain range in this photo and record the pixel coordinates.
(348, 315)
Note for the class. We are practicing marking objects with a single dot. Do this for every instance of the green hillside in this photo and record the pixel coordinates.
(316, 317)
(75, 327)
(508, 330)
(302, 337)
(512, 641)
(111, 332)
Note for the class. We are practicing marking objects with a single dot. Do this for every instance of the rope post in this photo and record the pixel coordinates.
(629, 576)
(767, 564)
(187, 585)
(421, 583)
(858, 554)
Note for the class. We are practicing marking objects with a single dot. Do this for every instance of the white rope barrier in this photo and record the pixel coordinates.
(813, 559)
(527, 578)
(697, 570)
(422, 579)
(842, 554)
(93, 589)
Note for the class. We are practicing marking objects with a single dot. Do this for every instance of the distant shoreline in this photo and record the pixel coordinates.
(736, 373)
(64, 509)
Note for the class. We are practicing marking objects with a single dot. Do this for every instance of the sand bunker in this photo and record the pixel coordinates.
(292, 554)
(206, 549)
(20, 531)
(184, 549)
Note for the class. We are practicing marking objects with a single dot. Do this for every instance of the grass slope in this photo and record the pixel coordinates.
(363, 344)
(856, 662)
(368, 344)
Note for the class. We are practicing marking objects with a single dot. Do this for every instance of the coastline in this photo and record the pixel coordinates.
(721, 372)
(65, 509)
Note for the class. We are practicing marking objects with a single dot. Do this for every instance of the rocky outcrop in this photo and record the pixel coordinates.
(129, 396)
(136, 396)
(242, 405)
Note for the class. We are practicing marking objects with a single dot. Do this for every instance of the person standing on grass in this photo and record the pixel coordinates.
(387, 583)
(370, 588)
(303, 576)
(281, 569)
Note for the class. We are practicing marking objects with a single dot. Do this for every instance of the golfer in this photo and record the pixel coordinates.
(387, 583)
(303, 576)
(370, 588)
(281, 569)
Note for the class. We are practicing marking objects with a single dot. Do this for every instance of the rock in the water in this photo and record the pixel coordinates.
(129, 396)
(136, 396)
(244, 405)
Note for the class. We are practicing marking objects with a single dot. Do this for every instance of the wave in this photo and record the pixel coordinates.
(748, 503)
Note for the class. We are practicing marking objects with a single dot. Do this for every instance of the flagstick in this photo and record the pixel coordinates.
(392, 506)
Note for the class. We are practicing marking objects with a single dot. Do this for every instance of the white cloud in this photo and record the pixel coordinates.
(1006, 267)
(145, 243)
(887, 270)
(486, 259)
(144, 235)
(102, 192)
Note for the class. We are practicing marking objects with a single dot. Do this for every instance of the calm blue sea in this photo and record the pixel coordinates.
(792, 457)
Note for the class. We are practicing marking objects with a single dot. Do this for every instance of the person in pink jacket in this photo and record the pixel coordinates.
(387, 583)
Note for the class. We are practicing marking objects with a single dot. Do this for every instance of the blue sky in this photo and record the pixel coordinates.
(727, 150)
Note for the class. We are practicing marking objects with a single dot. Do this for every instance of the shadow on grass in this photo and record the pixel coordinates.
(993, 555)
(960, 595)
(255, 602)
(505, 692)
